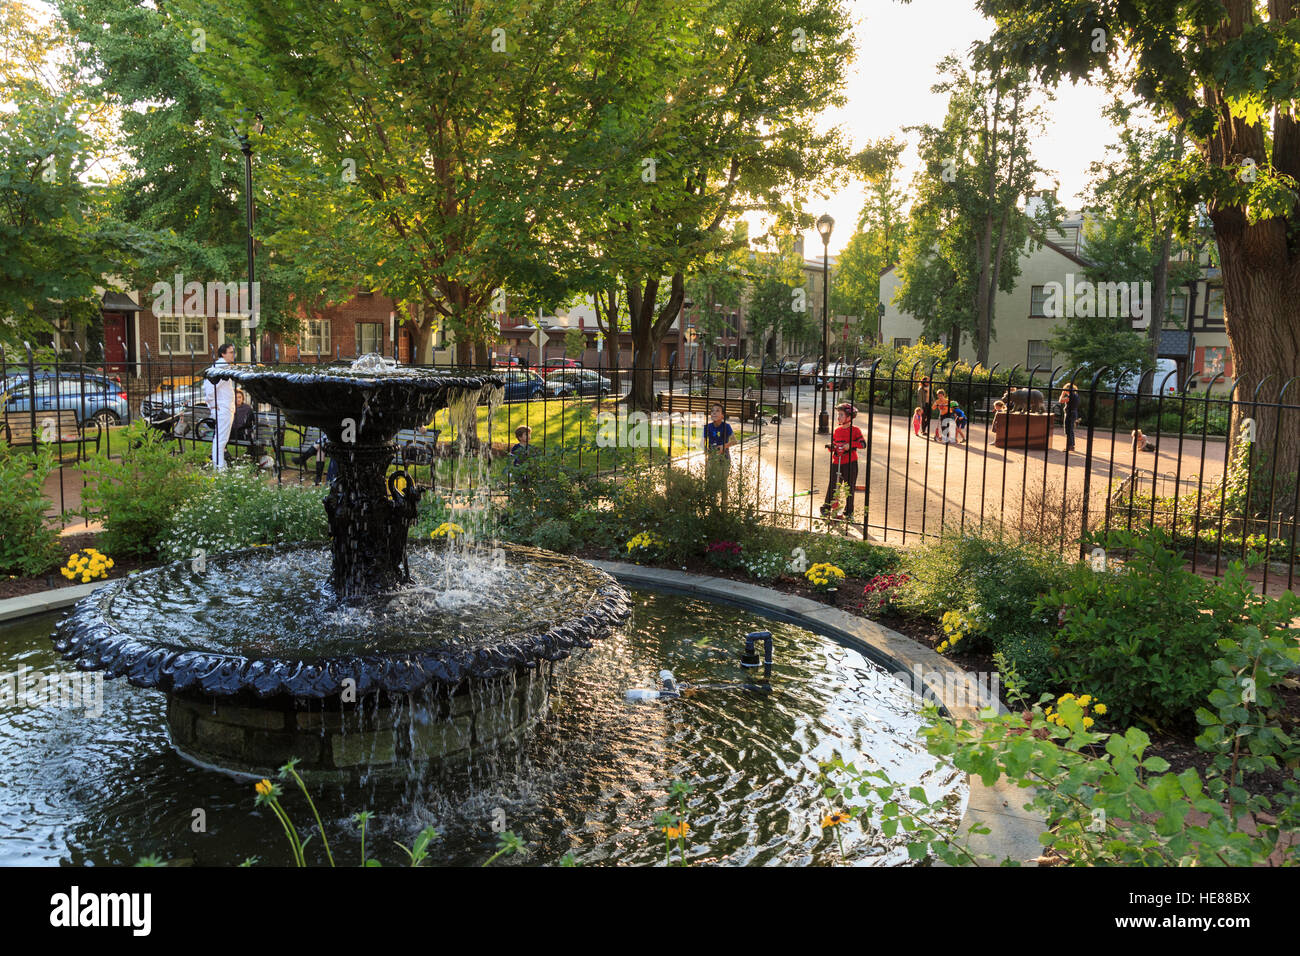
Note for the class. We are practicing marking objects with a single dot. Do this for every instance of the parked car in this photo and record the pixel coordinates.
(507, 360)
(522, 384)
(839, 375)
(808, 372)
(571, 382)
(89, 397)
(559, 365)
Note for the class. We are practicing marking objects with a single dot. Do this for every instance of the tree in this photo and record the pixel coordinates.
(778, 307)
(432, 140)
(967, 226)
(1143, 214)
(725, 109)
(58, 239)
(874, 246)
(575, 343)
(182, 185)
(1227, 72)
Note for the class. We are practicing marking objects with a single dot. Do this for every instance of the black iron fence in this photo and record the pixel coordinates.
(968, 465)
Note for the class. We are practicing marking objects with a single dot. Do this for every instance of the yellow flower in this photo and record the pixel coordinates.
(1088, 721)
(263, 787)
(1067, 697)
(674, 832)
(1085, 700)
(834, 819)
(1099, 709)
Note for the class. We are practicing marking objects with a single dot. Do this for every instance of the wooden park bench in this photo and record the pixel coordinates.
(768, 397)
(52, 426)
(743, 409)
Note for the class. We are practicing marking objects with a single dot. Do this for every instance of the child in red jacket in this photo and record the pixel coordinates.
(845, 442)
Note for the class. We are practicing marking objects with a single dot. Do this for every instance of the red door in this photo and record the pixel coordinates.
(115, 341)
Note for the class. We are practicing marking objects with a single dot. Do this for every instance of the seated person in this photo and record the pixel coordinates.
(1141, 442)
(244, 426)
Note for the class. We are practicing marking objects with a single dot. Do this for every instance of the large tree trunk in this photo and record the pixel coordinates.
(608, 327)
(648, 331)
(1261, 289)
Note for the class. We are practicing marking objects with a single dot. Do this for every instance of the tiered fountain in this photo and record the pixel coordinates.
(374, 654)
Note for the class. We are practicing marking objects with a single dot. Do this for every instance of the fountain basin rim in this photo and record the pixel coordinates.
(93, 642)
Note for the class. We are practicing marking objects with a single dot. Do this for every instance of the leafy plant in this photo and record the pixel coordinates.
(27, 544)
(135, 497)
(1243, 730)
(1141, 635)
(996, 579)
(553, 534)
(239, 508)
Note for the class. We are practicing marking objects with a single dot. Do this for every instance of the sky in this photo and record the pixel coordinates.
(899, 46)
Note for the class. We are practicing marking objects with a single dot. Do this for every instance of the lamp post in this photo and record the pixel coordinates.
(247, 149)
(824, 226)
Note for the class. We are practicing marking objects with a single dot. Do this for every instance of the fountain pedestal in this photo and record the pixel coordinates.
(246, 695)
(370, 513)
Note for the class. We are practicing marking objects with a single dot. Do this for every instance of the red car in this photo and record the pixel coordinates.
(559, 365)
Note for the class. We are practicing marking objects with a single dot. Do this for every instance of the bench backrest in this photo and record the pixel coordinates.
(52, 425)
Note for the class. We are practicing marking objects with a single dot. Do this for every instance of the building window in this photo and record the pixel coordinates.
(1037, 299)
(316, 337)
(182, 333)
(902, 343)
(1178, 310)
(1214, 307)
(1040, 355)
(1216, 358)
(370, 337)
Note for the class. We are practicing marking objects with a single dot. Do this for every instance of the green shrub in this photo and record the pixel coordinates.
(1033, 655)
(238, 508)
(553, 534)
(136, 496)
(993, 579)
(431, 512)
(27, 544)
(1141, 635)
(858, 559)
(688, 509)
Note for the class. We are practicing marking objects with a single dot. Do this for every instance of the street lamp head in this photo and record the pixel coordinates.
(824, 226)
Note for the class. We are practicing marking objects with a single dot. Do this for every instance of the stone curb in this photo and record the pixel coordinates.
(1013, 830)
(31, 605)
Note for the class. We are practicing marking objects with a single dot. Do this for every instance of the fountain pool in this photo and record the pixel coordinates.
(587, 779)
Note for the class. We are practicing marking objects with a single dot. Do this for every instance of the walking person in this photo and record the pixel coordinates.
(1069, 402)
(924, 398)
(220, 399)
(845, 442)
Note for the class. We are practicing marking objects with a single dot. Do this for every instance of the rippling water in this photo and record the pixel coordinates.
(280, 603)
(589, 780)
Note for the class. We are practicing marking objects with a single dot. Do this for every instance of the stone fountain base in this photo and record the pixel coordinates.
(395, 734)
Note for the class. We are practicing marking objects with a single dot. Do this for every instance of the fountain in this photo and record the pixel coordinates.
(375, 655)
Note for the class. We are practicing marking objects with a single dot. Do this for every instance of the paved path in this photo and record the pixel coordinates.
(918, 486)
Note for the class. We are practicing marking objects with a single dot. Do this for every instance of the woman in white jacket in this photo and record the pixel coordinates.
(220, 399)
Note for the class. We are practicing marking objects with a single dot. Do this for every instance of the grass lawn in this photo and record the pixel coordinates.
(558, 423)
